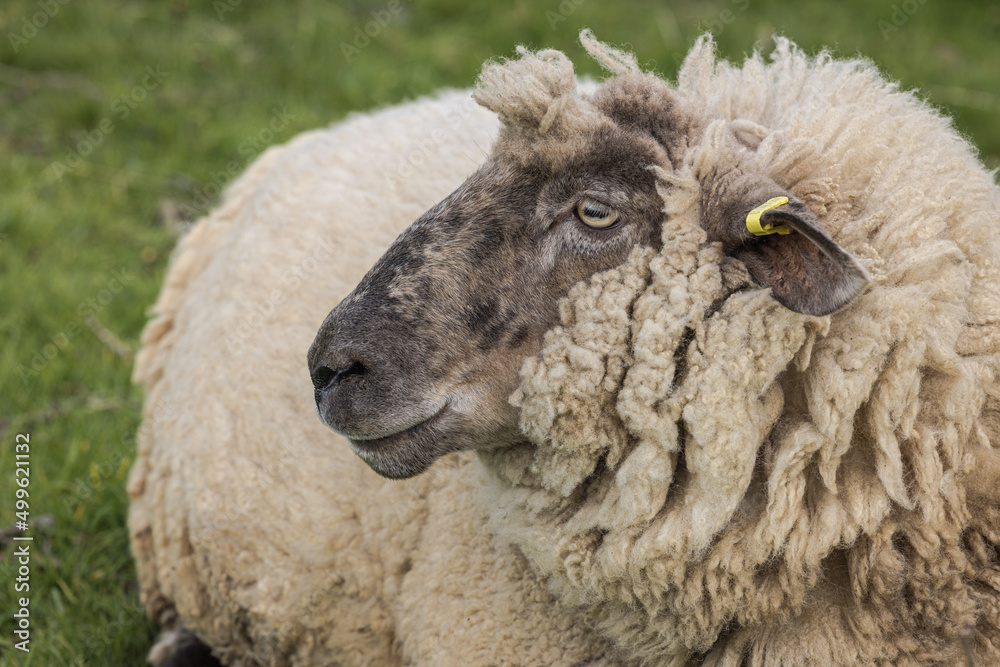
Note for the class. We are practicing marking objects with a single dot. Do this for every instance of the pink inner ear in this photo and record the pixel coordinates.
(797, 264)
(801, 276)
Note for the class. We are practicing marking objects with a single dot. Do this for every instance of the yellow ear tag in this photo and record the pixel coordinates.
(753, 218)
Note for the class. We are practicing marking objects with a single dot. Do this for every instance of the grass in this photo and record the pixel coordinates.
(121, 121)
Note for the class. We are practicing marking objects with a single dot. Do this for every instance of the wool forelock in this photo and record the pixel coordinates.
(702, 460)
(536, 92)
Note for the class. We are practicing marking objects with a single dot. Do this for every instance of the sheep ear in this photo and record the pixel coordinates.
(784, 248)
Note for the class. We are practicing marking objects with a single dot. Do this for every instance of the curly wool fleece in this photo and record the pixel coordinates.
(712, 473)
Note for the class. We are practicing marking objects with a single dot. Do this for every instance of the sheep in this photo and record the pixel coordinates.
(637, 432)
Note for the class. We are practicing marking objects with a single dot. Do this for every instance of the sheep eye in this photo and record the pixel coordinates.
(595, 214)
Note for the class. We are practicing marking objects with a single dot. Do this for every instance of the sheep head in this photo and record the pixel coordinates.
(422, 357)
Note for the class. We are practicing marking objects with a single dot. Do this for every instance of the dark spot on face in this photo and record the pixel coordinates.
(481, 313)
(487, 240)
(488, 321)
(490, 339)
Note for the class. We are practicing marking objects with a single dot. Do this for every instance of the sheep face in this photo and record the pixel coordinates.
(420, 358)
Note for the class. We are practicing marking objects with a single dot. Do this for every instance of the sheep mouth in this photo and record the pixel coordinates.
(376, 441)
(410, 451)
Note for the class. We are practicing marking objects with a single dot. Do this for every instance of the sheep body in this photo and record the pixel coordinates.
(640, 514)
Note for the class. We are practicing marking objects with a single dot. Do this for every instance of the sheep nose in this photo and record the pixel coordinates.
(326, 379)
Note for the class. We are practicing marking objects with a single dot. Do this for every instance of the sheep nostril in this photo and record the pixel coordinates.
(322, 376)
(325, 377)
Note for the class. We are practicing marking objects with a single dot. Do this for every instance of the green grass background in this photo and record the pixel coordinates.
(224, 67)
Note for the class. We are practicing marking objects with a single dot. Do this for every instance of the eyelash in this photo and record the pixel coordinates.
(602, 210)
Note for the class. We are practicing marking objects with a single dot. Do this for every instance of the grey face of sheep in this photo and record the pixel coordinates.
(420, 359)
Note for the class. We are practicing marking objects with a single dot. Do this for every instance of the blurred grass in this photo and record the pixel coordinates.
(159, 146)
